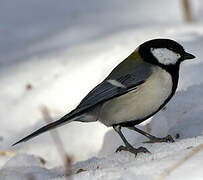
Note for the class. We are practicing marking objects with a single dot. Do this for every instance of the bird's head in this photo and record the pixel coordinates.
(163, 52)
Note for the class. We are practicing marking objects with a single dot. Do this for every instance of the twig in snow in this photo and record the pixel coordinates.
(187, 10)
(7, 153)
(179, 163)
(58, 143)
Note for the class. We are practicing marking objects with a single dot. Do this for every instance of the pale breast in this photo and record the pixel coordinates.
(139, 103)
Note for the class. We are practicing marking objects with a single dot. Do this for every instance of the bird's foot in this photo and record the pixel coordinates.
(154, 139)
(133, 150)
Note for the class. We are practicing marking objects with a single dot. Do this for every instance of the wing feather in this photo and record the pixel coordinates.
(107, 90)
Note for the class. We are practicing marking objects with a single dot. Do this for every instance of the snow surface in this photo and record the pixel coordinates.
(57, 48)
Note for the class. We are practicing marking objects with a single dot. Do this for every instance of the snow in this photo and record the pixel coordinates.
(26, 167)
(49, 50)
(121, 165)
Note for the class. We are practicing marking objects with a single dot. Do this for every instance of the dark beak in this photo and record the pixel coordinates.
(188, 56)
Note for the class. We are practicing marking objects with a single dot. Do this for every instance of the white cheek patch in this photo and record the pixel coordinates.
(165, 56)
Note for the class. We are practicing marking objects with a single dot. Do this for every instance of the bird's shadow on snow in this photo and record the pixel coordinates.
(181, 118)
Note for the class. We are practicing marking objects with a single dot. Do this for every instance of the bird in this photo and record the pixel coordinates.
(136, 89)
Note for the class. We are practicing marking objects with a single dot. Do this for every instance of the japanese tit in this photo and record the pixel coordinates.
(134, 91)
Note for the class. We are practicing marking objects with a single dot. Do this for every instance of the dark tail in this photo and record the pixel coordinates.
(65, 119)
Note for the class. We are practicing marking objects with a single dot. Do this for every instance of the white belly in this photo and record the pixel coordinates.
(139, 103)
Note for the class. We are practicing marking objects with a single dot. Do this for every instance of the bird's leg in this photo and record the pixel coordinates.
(152, 139)
(128, 146)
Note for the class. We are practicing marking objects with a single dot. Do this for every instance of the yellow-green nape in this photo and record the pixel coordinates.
(135, 56)
(127, 66)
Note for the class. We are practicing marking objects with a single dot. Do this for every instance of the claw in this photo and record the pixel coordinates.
(143, 150)
(133, 150)
(169, 138)
(156, 139)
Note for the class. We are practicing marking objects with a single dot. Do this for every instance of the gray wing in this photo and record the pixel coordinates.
(111, 88)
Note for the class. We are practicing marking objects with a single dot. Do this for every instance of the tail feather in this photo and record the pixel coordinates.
(65, 119)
